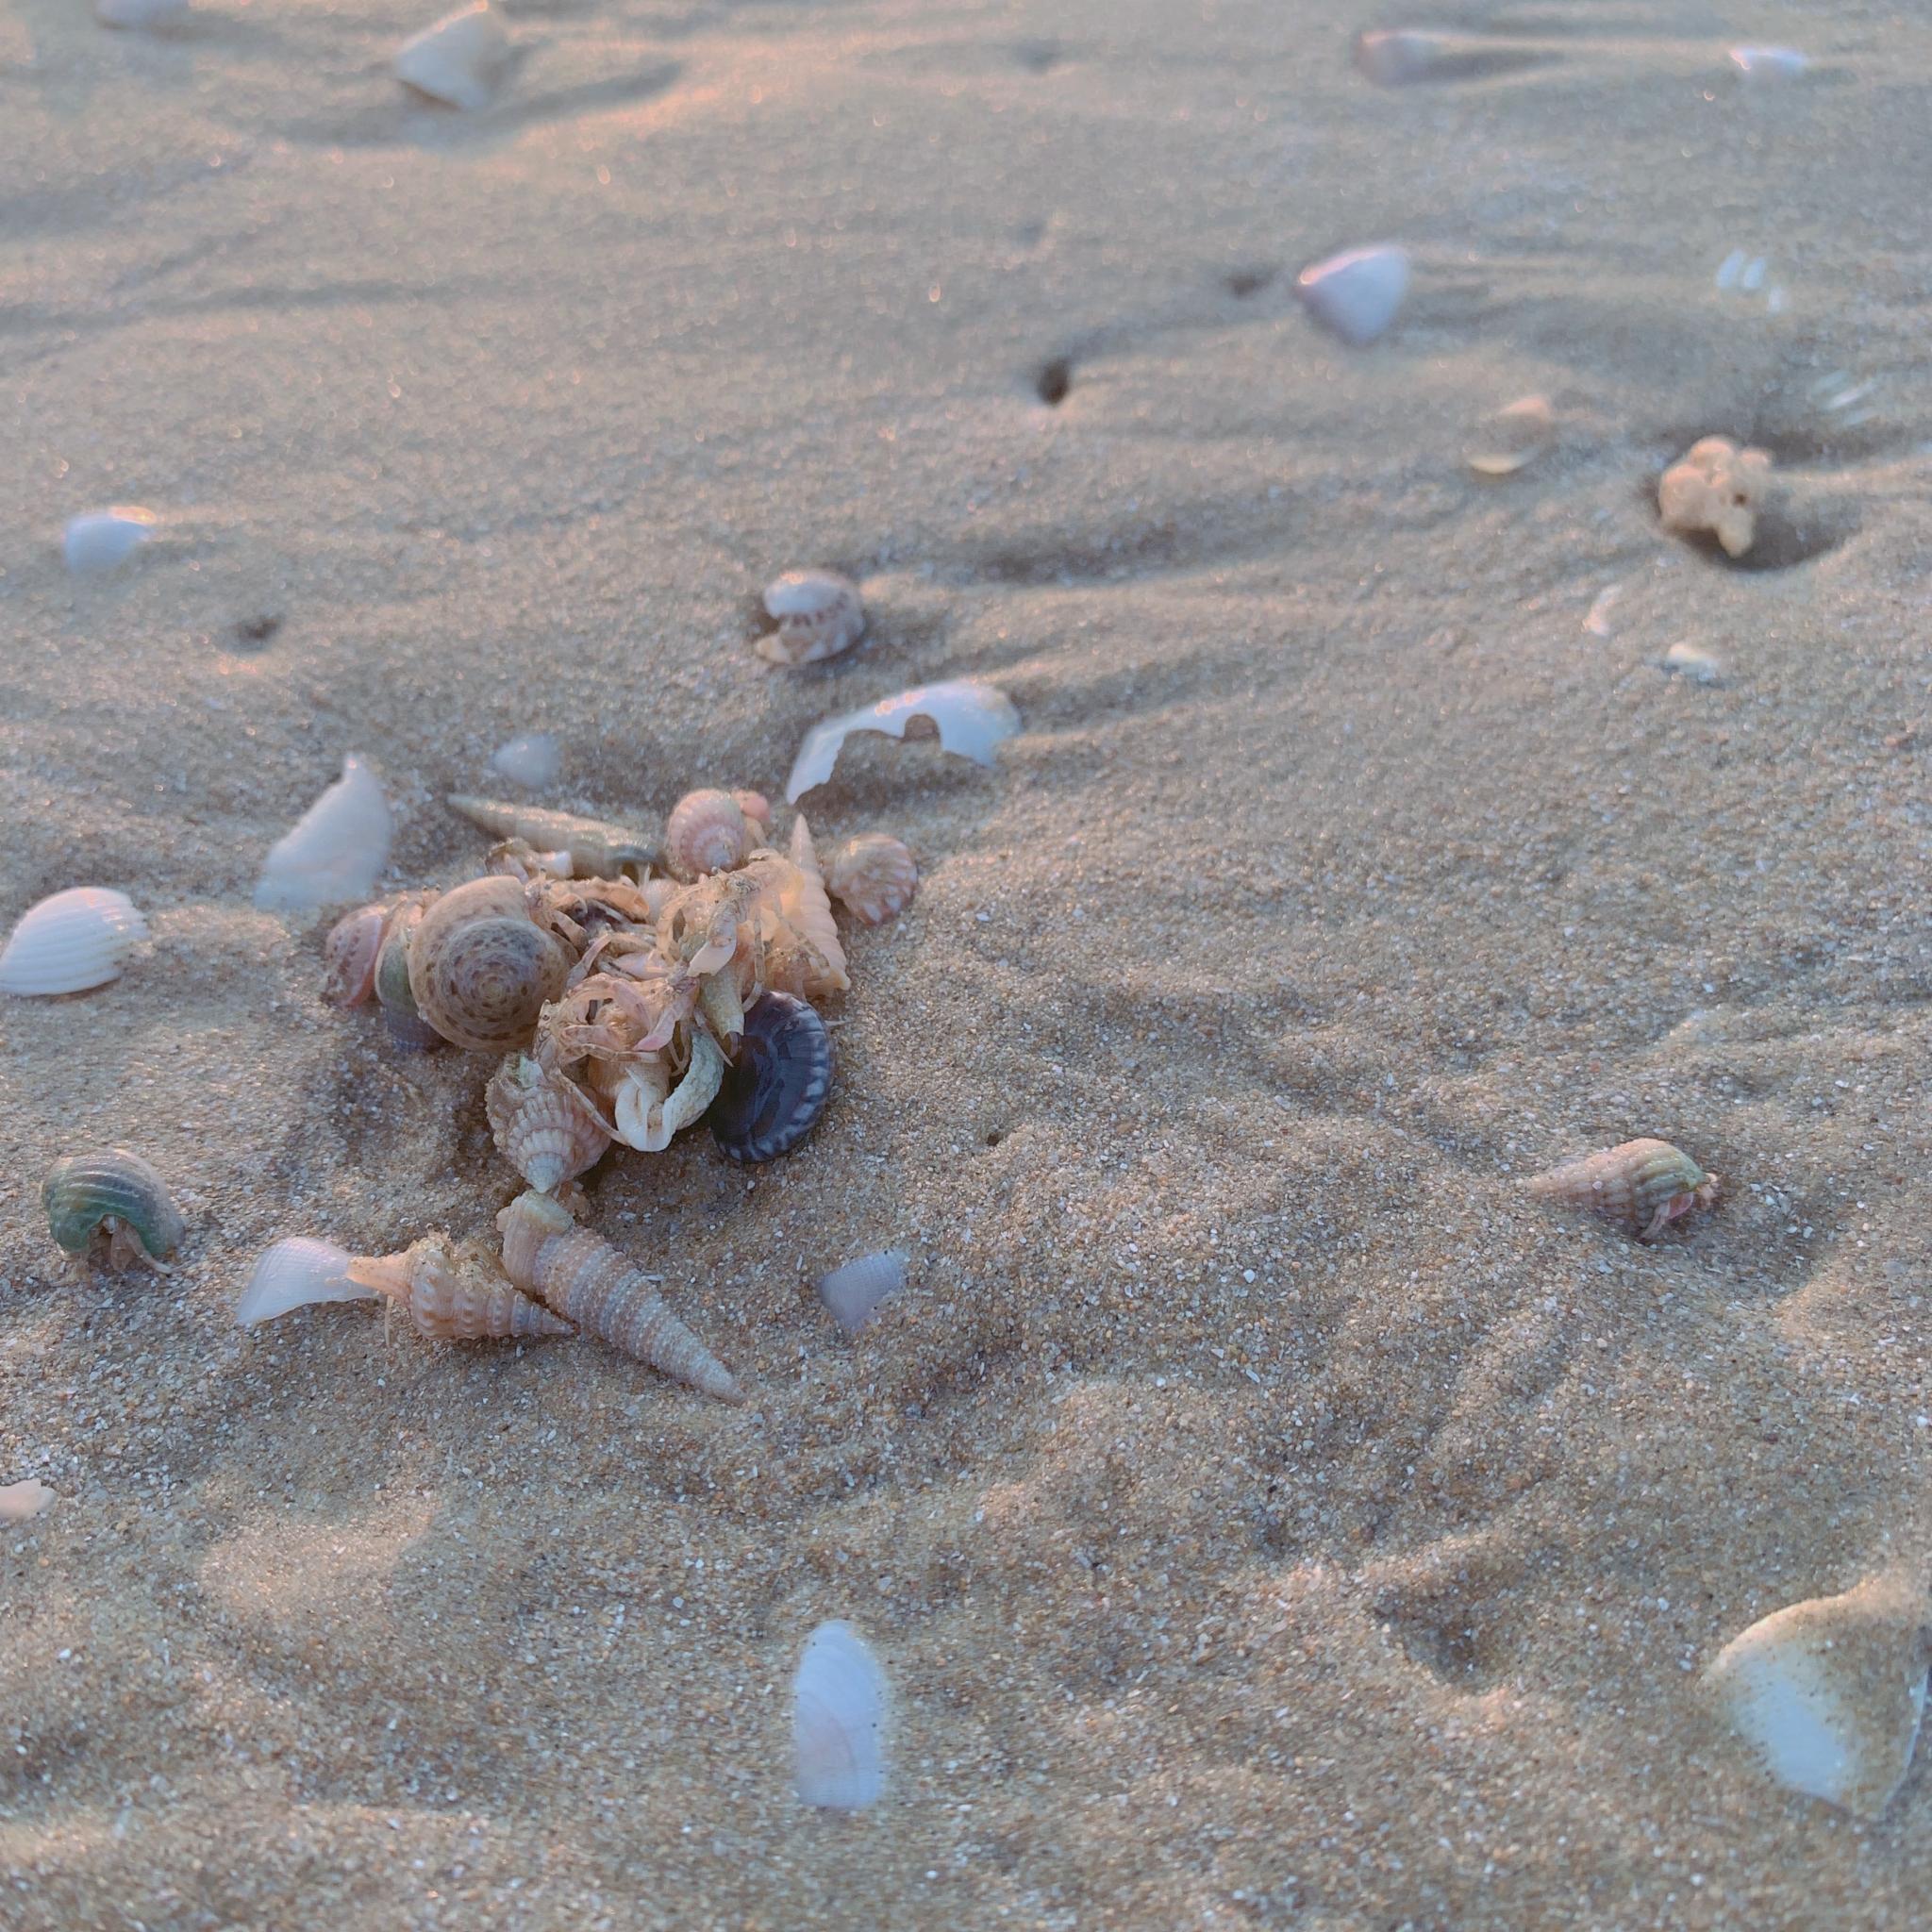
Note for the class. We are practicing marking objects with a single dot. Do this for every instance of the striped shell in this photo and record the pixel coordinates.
(543, 1125)
(587, 1281)
(115, 1194)
(75, 940)
(818, 613)
(481, 968)
(350, 952)
(456, 1293)
(872, 876)
(706, 832)
(776, 1088)
(1641, 1186)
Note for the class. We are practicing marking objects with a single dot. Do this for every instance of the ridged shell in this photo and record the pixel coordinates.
(648, 1119)
(292, 1274)
(872, 876)
(820, 613)
(776, 1087)
(587, 1281)
(851, 1294)
(839, 1715)
(70, 942)
(598, 849)
(350, 952)
(334, 852)
(706, 832)
(116, 1193)
(543, 1125)
(1641, 1186)
(481, 968)
(456, 1293)
(400, 1013)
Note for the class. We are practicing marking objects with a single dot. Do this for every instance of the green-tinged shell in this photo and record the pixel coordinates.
(597, 848)
(406, 1026)
(109, 1192)
(1640, 1187)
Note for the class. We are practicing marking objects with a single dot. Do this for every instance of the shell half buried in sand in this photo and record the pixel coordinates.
(970, 717)
(839, 1711)
(1358, 294)
(71, 943)
(460, 61)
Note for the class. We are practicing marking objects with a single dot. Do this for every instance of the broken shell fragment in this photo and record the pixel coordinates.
(532, 759)
(294, 1272)
(820, 613)
(543, 1125)
(73, 940)
(334, 852)
(776, 1089)
(1514, 437)
(117, 1194)
(597, 848)
(1697, 666)
(839, 1714)
(1641, 1186)
(970, 717)
(1357, 294)
(103, 538)
(1394, 57)
(872, 876)
(461, 61)
(1716, 488)
(851, 1294)
(456, 1293)
(706, 832)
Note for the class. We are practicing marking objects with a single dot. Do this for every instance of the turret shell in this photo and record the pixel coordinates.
(543, 1125)
(481, 968)
(598, 849)
(75, 940)
(1641, 1186)
(115, 1194)
(456, 1293)
(872, 876)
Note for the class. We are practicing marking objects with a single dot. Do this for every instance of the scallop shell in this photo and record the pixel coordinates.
(294, 1272)
(103, 538)
(1356, 295)
(598, 849)
(460, 61)
(532, 759)
(20, 1501)
(820, 613)
(350, 952)
(970, 717)
(393, 993)
(543, 1125)
(456, 1293)
(839, 1715)
(852, 1293)
(872, 876)
(706, 833)
(648, 1118)
(481, 968)
(116, 1193)
(1641, 1186)
(334, 852)
(587, 1281)
(77, 939)
(776, 1087)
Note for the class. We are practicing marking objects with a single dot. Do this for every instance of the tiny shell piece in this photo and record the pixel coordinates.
(1394, 57)
(533, 758)
(873, 876)
(1719, 488)
(335, 851)
(706, 832)
(820, 613)
(75, 940)
(1641, 1186)
(1514, 437)
(461, 61)
(456, 1293)
(350, 953)
(852, 1293)
(970, 717)
(1767, 63)
(1356, 295)
(294, 1272)
(21, 1500)
(839, 1714)
(543, 1125)
(1698, 666)
(103, 538)
(115, 1194)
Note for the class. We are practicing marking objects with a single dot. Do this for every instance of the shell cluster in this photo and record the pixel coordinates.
(1716, 488)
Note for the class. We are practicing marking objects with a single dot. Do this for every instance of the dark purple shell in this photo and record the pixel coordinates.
(776, 1089)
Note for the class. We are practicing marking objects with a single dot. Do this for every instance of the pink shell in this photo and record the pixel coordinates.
(873, 876)
(350, 953)
(706, 832)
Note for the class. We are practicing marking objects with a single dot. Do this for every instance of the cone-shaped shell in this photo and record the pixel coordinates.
(706, 832)
(598, 849)
(116, 1193)
(456, 1293)
(872, 876)
(543, 1125)
(75, 940)
(587, 1281)
(481, 968)
(1641, 1186)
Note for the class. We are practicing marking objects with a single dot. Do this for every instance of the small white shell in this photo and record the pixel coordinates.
(970, 717)
(1687, 661)
(839, 1721)
(103, 538)
(20, 1500)
(852, 1293)
(533, 759)
(1767, 63)
(336, 850)
(648, 1118)
(294, 1272)
(458, 61)
(1356, 295)
(820, 613)
(1392, 57)
(1598, 623)
(75, 940)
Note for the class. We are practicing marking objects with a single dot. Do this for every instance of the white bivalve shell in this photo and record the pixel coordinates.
(75, 940)
(460, 61)
(336, 850)
(851, 1294)
(104, 538)
(1357, 294)
(839, 1721)
(294, 1272)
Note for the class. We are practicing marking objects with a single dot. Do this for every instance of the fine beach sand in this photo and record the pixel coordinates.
(1267, 1514)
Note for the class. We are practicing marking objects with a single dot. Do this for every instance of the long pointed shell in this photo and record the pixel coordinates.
(872, 876)
(818, 613)
(112, 1193)
(543, 1125)
(598, 849)
(706, 833)
(649, 1118)
(75, 940)
(969, 717)
(587, 1281)
(1641, 1186)
(806, 908)
(481, 968)
(293, 1274)
(456, 1293)
(334, 852)
(839, 1713)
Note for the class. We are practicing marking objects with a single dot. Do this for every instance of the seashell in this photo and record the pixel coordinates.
(820, 613)
(1761, 64)
(481, 968)
(1641, 1186)
(393, 993)
(104, 538)
(140, 13)
(872, 876)
(598, 850)
(533, 758)
(461, 61)
(972, 718)
(543, 1125)
(1357, 294)
(293, 1274)
(115, 1194)
(1394, 57)
(588, 1281)
(1687, 661)
(335, 851)
(1514, 437)
(854, 1293)
(757, 808)
(648, 1118)
(706, 832)
(1829, 1694)
(20, 1501)
(776, 1088)
(75, 940)
(350, 953)
(456, 1293)
(1719, 488)
(806, 908)
(838, 1710)
(1598, 622)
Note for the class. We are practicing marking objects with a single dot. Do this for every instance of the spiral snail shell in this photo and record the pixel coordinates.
(543, 1125)
(405, 1024)
(456, 1293)
(1641, 1186)
(706, 832)
(350, 952)
(115, 1194)
(872, 876)
(481, 968)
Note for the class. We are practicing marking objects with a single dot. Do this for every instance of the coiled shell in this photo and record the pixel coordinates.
(349, 955)
(1641, 1186)
(587, 1281)
(70, 942)
(115, 1194)
(543, 1125)
(706, 832)
(872, 876)
(820, 613)
(400, 1013)
(598, 849)
(456, 1293)
(481, 968)
(776, 1088)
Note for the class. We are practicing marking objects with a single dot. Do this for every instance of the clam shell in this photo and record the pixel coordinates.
(532, 759)
(1641, 1186)
(294, 1272)
(972, 719)
(481, 969)
(776, 1088)
(839, 1714)
(1356, 295)
(77, 939)
(706, 832)
(114, 1192)
(820, 614)
(334, 852)
(872, 876)
(852, 1293)
(103, 538)
(461, 61)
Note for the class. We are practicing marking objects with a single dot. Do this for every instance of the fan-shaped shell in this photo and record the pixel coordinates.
(116, 1193)
(74, 940)
(349, 955)
(1641, 1186)
(852, 1293)
(839, 1714)
(820, 613)
(776, 1088)
(294, 1272)
(456, 1293)
(872, 876)
(542, 1125)
(706, 832)
(481, 968)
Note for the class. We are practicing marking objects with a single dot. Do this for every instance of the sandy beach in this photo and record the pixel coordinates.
(1266, 1513)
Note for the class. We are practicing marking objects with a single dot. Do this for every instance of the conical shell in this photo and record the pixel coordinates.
(598, 849)
(481, 968)
(116, 1193)
(820, 614)
(75, 940)
(1641, 1186)
(872, 876)
(456, 1293)
(1356, 295)
(587, 1281)
(461, 61)
(543, 1125)
(706, 833)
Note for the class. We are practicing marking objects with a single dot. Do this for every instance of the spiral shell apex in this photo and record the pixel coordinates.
(1641, 1186)
(706, 832)
(872, 876)
(456, 1293)
(115, 1194)
(481, 968)
(543, 1125)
